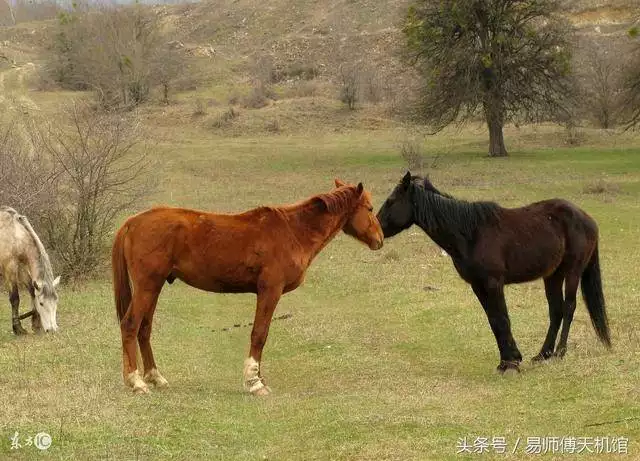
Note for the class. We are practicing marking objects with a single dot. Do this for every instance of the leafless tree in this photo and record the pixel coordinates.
(632, 81)
(600, 78)
(349, 75)
(27, 176)
(116, 51)
(103, 166)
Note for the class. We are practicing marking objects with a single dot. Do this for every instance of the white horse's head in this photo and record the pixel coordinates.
(46, 303)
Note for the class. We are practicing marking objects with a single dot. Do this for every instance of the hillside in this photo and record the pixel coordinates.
(231, 44)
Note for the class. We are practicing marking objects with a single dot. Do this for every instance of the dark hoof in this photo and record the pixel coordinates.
(560, 353)
(507, 365)
(542, 356)
(18, 330)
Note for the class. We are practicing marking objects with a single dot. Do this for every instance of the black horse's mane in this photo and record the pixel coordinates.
(442, 212)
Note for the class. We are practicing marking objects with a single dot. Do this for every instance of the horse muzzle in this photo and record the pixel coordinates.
(376, 244)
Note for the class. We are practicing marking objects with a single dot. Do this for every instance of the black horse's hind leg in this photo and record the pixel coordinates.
(570, 290)
(492, 299)
(14, 299)
(553, 290)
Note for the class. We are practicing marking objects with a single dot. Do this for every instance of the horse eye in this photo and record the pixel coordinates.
(370, 209)
(41, 303)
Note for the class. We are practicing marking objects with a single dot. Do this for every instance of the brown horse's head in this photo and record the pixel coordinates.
(362, 224)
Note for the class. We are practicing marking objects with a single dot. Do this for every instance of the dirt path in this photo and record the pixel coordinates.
(15, 102)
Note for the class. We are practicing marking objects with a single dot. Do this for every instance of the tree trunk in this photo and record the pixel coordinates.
(13, 16)
(495, 122)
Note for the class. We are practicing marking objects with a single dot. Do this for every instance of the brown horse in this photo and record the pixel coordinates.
(264, 251)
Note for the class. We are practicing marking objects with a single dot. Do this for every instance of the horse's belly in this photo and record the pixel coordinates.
(529, 264)
(219, 284)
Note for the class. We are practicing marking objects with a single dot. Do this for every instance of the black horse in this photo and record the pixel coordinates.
(493, 246)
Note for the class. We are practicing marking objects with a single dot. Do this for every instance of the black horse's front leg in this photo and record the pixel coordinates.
(491, 296)
(14, 299)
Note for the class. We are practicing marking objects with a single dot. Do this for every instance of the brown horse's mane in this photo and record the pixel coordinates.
(337, 201)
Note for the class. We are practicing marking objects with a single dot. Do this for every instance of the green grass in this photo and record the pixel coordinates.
(371, 365)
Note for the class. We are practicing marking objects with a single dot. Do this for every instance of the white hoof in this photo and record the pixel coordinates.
(155, 378)
(136, 383)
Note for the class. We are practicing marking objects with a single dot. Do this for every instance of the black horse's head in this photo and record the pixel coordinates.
(396, 213)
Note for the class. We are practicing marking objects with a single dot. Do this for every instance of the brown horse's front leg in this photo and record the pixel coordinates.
(268, 297)
(14, 299)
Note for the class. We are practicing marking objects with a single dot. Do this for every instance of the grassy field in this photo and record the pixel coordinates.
(386, 355)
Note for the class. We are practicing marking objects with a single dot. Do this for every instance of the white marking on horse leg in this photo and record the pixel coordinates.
(135, 381)
(252, 380)
(154, 377)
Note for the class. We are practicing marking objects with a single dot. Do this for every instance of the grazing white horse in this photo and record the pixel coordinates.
(24, 263)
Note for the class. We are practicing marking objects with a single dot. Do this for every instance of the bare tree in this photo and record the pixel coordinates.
(632, 81)
(349, 75)
(103, 162)
(27, 176)
(116, 51)
(11, 12)
(600, 79)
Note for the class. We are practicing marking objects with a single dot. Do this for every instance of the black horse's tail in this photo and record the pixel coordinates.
(591, 284)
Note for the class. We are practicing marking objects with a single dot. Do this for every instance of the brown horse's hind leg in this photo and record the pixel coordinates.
(570, 290)
(143, 301)
(14, 299)
(268, 298)
(151, 374)
(553, 291)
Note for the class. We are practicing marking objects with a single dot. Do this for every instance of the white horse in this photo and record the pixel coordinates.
(24, 263)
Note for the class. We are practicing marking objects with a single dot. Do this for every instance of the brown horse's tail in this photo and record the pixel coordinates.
(591, 284)
(121, 286)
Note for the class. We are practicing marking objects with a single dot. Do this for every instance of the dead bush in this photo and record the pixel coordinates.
(200, 108)
(102, 165)
(273, 126)
(257, 98)
(601, 186)
(226, 118)
(349, 76)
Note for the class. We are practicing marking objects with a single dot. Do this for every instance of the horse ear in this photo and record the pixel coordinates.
(56, 282)
(339, 183)
(406, 180)
(360, 189)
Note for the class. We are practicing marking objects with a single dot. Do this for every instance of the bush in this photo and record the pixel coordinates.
(200, 108)
(117, 52)
(257, 98)
(349, 85)
(226, 118)
(99, 162)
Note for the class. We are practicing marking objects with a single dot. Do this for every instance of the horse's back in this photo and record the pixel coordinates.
(14, 241)
(215, 252)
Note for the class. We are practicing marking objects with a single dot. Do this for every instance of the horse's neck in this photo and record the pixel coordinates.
(314, 229)
(38, 260)
(430, 218)
(34, 263)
